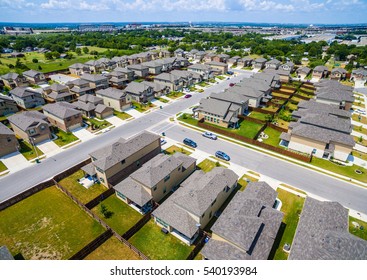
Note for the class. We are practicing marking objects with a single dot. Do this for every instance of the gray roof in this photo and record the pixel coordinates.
(94, 77)
(93, 63)
(10, 75)
(4, 130)
(58, 87)
(89, 169)
(277, 72)
(360, 71)
(100, 108)
(156, 86)
(78, 82)
(203, 67)
(167, 77)
(90, 98)
(306, 107)
(111, 93)
(108, 156)
(340, 70)
(320, 68)
(269, 77)
(247, 91)
(194, 197)
(322, 234)
(124, 70)
(234, 97)
(84, 106)
(137, 67)
(27, 119)
(257, 84)
(6, 98)
(260, 60)
(337, 95)
(136, 88)
(61, 110)
(332, 84)
(5, 254)
(31, 73)
(216, 63)
(152, 63)
(304, 69)
(328, 121)
(78, 66)
(24, 92)
(249, 224)
(273, 61)
(215, 106)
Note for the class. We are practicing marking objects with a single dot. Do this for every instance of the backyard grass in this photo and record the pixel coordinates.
(361, 140)
(95, 124)
(359, 154)
(280, 95)
(112, 249)
(64, 138)
(174, 149)
(292, 106)
(83, 194)
(270, 108)
(159, 246)
(296, 99)
(121, 115)
(206, 165)
(47, 225)
(248, 129)
(273, 139)
(27, 150)
(122, 216)
(243, 181)
(348, 171)
(358, 103)
(259, 116)
(293, 188)
(174, 94)
(362, 233)
(281, 123)
(359, 118)
(2, 167)
(360, 129)
(291, 207)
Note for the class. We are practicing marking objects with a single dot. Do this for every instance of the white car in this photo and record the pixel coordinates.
(210, 135)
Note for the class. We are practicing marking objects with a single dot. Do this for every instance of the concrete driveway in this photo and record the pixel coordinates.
(116, 121)
(83, 134)
(15, 162)
(49, 148)
(359, 84)
(135, 113)
(158, 103)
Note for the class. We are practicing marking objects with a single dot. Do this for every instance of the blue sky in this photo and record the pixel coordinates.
(273, 11)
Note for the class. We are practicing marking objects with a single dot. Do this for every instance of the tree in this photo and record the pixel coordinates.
(78, 51)
(39, 67)
(85, 50)
(35, 60)
(48, 55)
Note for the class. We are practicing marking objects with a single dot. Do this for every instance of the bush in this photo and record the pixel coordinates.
(35, 60)
(184, 116)
(39, 67)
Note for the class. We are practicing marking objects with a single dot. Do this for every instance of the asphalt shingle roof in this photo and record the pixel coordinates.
(61, 110)
(4, 130)
(112, 93)
(27, 119)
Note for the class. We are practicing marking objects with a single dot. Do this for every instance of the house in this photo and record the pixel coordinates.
(332, 92)
(179, 53)
(320, 72)
(272, 64)
(248, 226)
(117, 79)
(5, 254)
(338, 74)
(233, 60)
(8, 141)
(189, 77)
(94, 66)
(113, 163)
(209, 57)
(87, 104)
(180, 62)
(127, 74)
(96, 81)
(175, 83)
(34, 77)
(199, 55)
(323, 234)
(63, 115)
(26, 97)
(271, 78)
(30, 124)
(303, 72)
(164, 53)
(158, 89)
(79, 69)
(245, 62)
(154, 67)
(115, 98)
(204, 70)
(220, 67)
(284, 75)
(139, 70)
(13, 80)
(259, 63)
(257, 84)
(218, 112)
(289, 66)
(132, 59)
(106, 63)
(102, 111)
(221, 58)
(139, 92)
(195, 203)
(57, 92)
(255, 97)
(120, 61)
(235, 98)
(7, 105)
(359, 75)
(80, 87)
(313, 107)
(154, 180)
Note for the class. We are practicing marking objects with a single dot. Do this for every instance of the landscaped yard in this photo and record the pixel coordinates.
(243, 182)
(2, 167)
(27, 150)
(95, 125)
(291, 207)
(174, 149)
(359, 154)
(206, 165)
(281, 123)
(64, 138)
(159, 246)
(162, 100)
(360, 129)
(273, 137)
(276, 94)
(121, 217)
(361, 140)
(220, 77)
(270, 108)
(188, 119)
(174, 94)
(359, 118)
(362, 233)
(259, 116)
(248, 129)
(47, 225)
(83, 194)
(142, 107)
(203, 84)
(112, 249)
(348, 171)
(292, 106)
(121, 115)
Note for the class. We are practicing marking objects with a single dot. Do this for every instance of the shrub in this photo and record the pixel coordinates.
(35, 60)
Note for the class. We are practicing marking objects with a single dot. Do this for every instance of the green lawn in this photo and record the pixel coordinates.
(112, 249)
(122, 115)
(220, 77)
(173, 149)
(193, 89)
(361, 140)
(84, 195)
(360, 129)
(276, 94)
(348, 171)
(291, 207)
(259, 116)
(357, 231)
(206, 165)
(64, 138)
(2, 167)
(292, 106)
(271, 108)
(273, 137)
(142, 107)
(188, 119)
(122, 218)
(27, 150)
(174, 94)
(47, 225)
(95, 124)
(162, 100)
(203, 84)
(359, 118)
(159, 246)
(248, 129)
(359, 154)
(243, 183)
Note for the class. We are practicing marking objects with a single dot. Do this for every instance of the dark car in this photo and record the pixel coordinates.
(188, 95)
(190, 142)
(231, 84)
(222, 155)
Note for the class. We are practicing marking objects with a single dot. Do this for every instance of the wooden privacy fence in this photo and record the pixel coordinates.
(301, 97)
(199, 245)
(95, 201)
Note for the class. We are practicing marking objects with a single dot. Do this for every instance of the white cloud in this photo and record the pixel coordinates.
(76, 4)
(263, 5)
(17, 4)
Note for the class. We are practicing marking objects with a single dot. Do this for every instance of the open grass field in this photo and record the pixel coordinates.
(81, 193)
(112, 249)
(291, 207)
(28, 151)
(122, 216)
(159, 246)
(47, 225)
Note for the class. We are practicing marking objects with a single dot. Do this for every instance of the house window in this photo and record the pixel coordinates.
(167, 178)
(101, 179)
(210, 214)
(9, 139)
(121, 195)
(68, 119)
(159, 221)
(154, 188)
(42, 127)
(31, 131)
(165, 190)
(203, 215)
(179, 168)
(123, 161)
(215, 200)
(138, 163)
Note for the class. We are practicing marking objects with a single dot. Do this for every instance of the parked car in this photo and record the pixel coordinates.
(190, 142)
(231, 84)
(188, 95)
(163, 142)
(210, 135)
(222, 155)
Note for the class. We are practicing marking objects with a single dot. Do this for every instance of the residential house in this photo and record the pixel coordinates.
(195, 203)
(158, 89)
(7, 105)
(257, 84)
(120, 61)
(338, 74)
(164, 53)
(209, 57)
(87, 104)
(218, 112)
(332, 92)
(140, 70)
(127, 74)
(106, 63)
(132, 59)
(8, 141)
(220, 67)
(155, 180)
(311, 106)
(57, 92)
(189, 77)
(94, 66)
(113, 163)
(144, 57)
(199, 55)
(175, 83)
(359, 75)
(255, 97)
(5, 254)
(273, 79)
(34, 77)
(245, 62)
(30, 124)
(259, 63)
(272, 64)
(233, 60)
(204, 70)
(79, 69)
(221, 58)
(115, 98)
(13, 80)
(154, 67)
(320, 72)
(248, 226)
(26, 97)
(289, 66)
(179, 53)
(80, 87)
(303, 72)
(63, 115)
(235, 98)
(323, 234)
(180, 62)
(96, 81)
(139, 92)
(284, 75)
(102, 111)
(117, 79)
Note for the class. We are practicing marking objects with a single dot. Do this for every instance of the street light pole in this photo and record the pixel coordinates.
(35, 149)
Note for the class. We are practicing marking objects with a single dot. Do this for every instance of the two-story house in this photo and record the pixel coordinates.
(57, 92)
(7, 105)
(63, 115)
(154, 67)
(34, 77)
(272, 64)
(118, 99)
(175, 83)
(27, 97)
(13, 80)
(338, 74)
(139, 92)
(219, 67)
(8, 142)
(79, 69)
(79, 87)
(259, 63)
(87, 104)
(320, 72)
(203, 69)
(96, 81)
(303, 72)
(139, 70)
